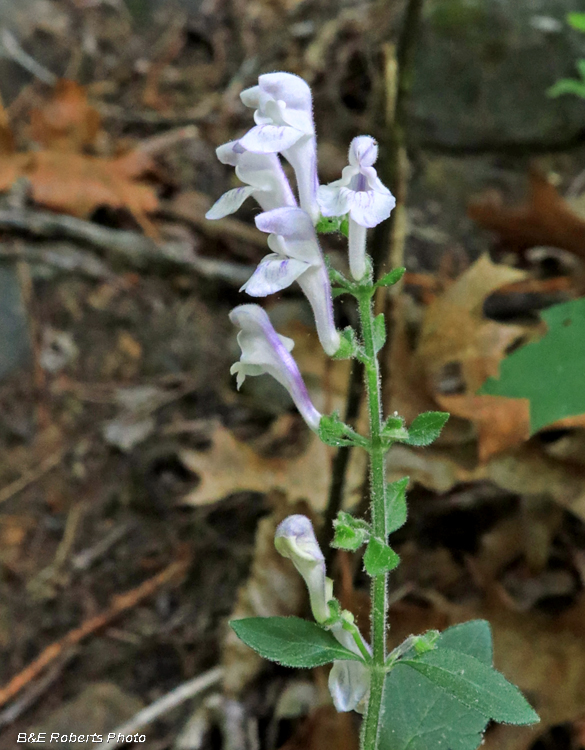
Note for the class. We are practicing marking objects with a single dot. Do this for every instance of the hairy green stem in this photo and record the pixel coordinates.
(378, 518)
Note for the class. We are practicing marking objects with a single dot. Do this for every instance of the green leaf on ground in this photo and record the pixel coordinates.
(474, 684)
(577, 21)
(548, 372)
(379, 558)
(426, 428)
(290, 641)
(420, 715)
(396, 510)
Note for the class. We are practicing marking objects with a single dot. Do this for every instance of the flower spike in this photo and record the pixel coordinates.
(265, 351)
(265, 178)
(360, 194)
(296, 256)
(284, 124)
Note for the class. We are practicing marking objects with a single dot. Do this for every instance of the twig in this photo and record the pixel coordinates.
(129, 247)
(85, 559)
(120, 603)
(35, 691)
(165, 704)
(16, 53)
(58, 255)
(158, 143)
(31, 476)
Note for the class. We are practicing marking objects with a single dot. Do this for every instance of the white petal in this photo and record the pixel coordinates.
(298, 119)
(229, 153)
(363, 151)
(270, 139)
(369, 207)
(289, 88)
(273, 274)
(349, 681)
(251, 97)
(291, 223)
(229, 202)
(334, 200)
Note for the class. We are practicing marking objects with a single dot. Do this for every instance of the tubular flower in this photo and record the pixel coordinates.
(349, 681)
(265, 178)
(284, 124)
(360, 194)
(296, 256)
(265, 351)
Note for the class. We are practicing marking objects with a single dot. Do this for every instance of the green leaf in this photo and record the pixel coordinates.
(332, 431)
(426, 428)
(391, 278)
(396, 510)
(548, 372)
(328, 224)
(581, 68)
(567, 86)
(349, 346)
(394, 429)
(474, 684)
(344, 227)
(379, 558)
(290, 641)
(420, 716)
(577, 21)
(379, 332)
(473, 638)
(350, 532)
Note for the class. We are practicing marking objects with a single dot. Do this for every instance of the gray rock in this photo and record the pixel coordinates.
(483, 68)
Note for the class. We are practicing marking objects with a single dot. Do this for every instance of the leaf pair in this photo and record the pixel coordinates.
(351, 533)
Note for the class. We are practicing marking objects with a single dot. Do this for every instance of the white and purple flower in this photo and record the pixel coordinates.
(297, 257)
(349, 681)
(284, 124)
(264, 177)
(361, 194)
(265, 351)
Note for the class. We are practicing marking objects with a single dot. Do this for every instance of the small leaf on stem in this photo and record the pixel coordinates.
(396, 510)
(391, 278)
(379, 332)
(350, 532)
(379, 558)
(426, 428)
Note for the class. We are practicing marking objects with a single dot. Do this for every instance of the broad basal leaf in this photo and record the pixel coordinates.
(421, 716)
(548, 372)
(474, 684)
(290, 641)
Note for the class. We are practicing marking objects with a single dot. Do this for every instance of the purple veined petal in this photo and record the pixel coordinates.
(272, 275)
(363, 151)
(357, 249)
(228, 153)
(288, 87)
(369, 207)
(261, 345)
(334, 199)
(229, 202)
(316, 287)
(291, 223)
(373, 181)
(251, 97)
(270, 139)
(349, 682)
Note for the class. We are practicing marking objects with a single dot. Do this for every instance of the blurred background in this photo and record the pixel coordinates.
(139, 492)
